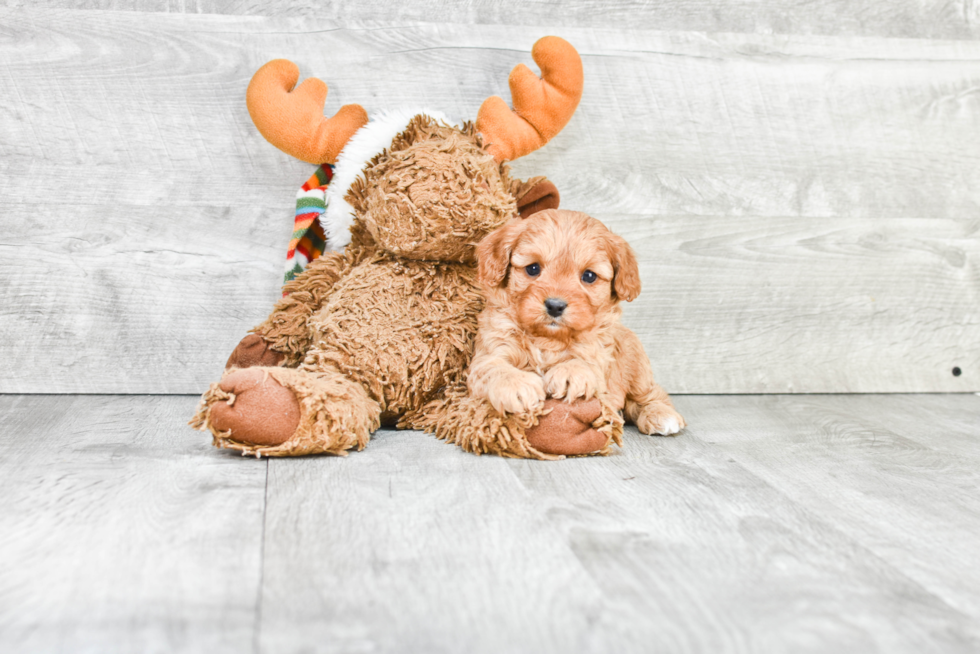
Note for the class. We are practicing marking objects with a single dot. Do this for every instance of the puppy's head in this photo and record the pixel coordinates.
(561, 272)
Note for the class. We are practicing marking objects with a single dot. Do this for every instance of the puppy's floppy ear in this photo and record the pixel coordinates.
(493, 252)
(626, 272)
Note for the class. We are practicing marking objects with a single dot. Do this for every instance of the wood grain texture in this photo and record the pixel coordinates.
(122, 531)
(807, 304)
(804, 206)
(415, 547)
(937, 19)
(774, 523)
(803, 523)
(870, 500)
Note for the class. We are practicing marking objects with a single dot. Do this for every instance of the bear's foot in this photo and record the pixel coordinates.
(567, 428)
(552, 431)
(259, 410)
(271, 411)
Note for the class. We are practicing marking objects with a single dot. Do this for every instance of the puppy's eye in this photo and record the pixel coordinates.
(588, 277)
(533, 270)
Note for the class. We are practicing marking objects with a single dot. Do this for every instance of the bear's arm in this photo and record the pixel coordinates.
(285, 330)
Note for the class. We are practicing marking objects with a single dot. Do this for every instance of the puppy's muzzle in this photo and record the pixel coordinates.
(555, 307)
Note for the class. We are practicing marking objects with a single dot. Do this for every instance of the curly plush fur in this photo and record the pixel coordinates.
(382, 332)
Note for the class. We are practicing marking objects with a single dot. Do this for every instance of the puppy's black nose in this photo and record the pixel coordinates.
(555, 306)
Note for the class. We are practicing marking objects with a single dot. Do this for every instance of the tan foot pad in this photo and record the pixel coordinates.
(567, 428)
(261, 411)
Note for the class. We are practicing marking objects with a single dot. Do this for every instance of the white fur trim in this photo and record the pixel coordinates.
(366, 143)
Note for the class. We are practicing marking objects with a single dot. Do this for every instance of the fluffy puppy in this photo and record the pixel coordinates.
(553, 283)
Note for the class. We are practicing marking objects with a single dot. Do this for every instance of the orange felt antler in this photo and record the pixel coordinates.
(292, 119)
(542, 105)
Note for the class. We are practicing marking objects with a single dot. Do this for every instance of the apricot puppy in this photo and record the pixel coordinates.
(551, 326)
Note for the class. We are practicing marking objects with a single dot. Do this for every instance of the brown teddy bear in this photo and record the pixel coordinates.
(382, 331)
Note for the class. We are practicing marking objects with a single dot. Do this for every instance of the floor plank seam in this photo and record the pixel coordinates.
(257, 627)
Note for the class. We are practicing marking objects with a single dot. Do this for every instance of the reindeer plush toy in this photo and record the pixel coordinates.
(380, 330)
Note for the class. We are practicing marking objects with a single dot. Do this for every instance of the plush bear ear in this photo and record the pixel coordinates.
(534, 195)
(626, 272)
(493, 253)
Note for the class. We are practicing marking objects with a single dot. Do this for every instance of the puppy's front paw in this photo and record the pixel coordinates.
(518, 392)
(659, 418)
(571, 380)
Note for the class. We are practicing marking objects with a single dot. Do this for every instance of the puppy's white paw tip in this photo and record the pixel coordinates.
(671, 426)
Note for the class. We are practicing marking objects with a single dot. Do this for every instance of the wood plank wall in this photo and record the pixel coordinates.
(800, 179)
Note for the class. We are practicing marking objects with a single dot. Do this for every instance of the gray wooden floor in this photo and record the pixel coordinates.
(775, 523)
(801, 182)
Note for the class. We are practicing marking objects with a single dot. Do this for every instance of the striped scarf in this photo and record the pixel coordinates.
(308, 240)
